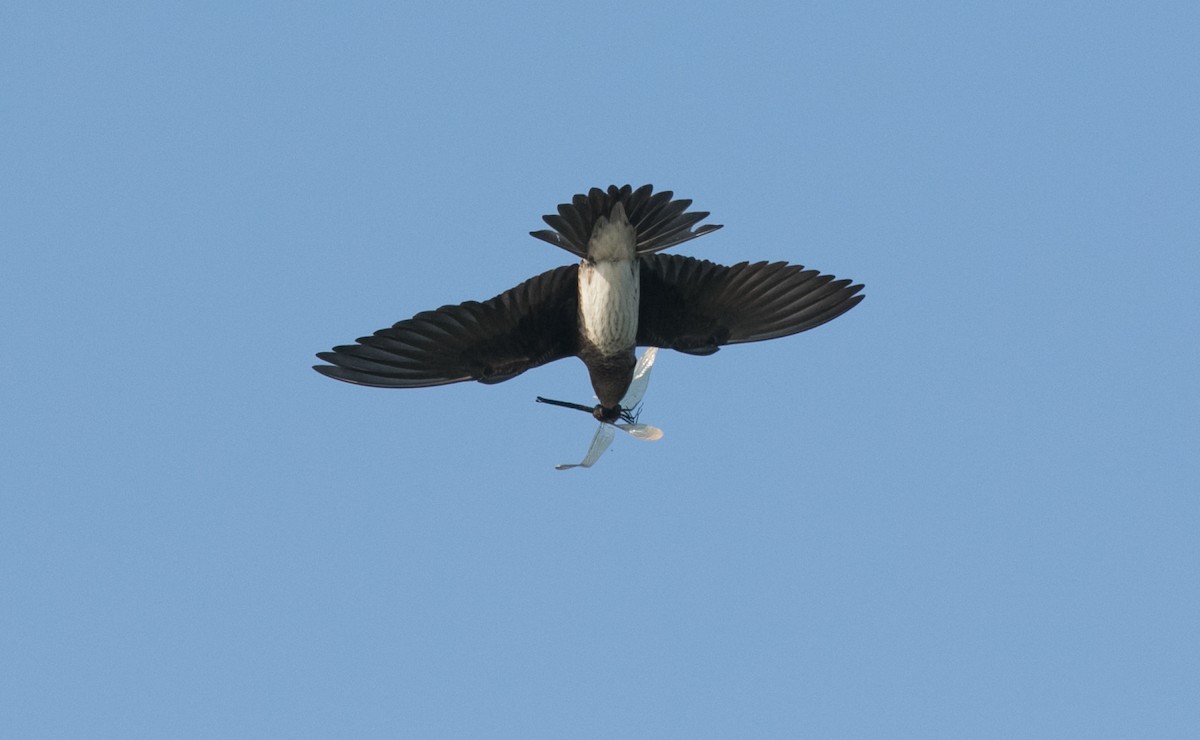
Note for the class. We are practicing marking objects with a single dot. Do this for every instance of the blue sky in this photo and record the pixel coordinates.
(968, 508)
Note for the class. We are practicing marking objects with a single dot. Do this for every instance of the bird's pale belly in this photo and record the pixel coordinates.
(609, 291)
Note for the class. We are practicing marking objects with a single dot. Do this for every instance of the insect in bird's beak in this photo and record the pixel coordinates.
(623, 416)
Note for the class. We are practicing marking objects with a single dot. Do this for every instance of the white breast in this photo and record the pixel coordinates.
(609, 286)
(608, 303)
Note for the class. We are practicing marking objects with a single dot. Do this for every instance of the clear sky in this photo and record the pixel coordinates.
(968, 508)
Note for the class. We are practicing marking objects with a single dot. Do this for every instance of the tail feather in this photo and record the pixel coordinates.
(659, 221)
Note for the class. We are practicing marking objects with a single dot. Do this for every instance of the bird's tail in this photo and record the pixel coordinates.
(658, 221)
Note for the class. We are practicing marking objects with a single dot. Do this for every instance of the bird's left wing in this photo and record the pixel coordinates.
(524, 327)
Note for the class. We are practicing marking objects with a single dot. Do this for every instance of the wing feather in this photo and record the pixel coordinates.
(524, 327)
(697, 306)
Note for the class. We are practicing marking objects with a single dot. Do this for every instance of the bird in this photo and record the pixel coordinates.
(623, 293)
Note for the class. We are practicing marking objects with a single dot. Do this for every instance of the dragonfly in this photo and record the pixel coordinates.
(628, 422)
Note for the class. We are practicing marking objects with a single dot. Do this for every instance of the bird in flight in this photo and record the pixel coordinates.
(622, 294)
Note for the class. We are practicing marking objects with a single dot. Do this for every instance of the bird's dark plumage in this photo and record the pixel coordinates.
(526, 326)
(690, 305)
(659, 221)
(697, 306)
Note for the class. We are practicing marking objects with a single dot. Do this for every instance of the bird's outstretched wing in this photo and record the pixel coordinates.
(659, 221)
(524, 327)
(696, 306)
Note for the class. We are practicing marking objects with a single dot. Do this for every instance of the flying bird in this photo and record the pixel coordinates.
(622, 294)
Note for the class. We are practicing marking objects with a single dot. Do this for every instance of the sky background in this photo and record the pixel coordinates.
(968, 508)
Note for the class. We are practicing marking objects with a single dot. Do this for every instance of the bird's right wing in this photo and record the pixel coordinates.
(696, 306)
(524, 327)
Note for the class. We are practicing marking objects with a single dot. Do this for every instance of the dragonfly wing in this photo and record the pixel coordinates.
(641, 378)
(600, 442)
(642, 431)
